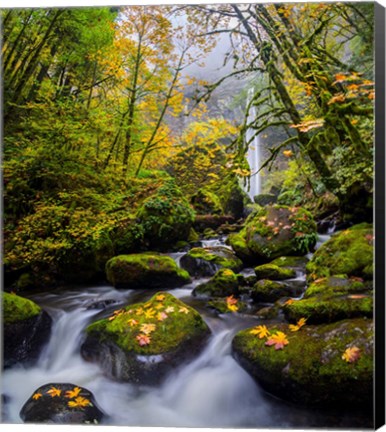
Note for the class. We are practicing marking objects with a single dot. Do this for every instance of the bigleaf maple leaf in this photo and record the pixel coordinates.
(279, 340)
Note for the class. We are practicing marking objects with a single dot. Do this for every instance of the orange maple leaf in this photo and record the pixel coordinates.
(37, 396)
(143, 339)
(79, 402)
(298, 325)
(53, 392)
(288, 153)
(73, 393)
(160, 297)
(279, 340)
(352, 354)
(132, 322)
(161, 316)
(289, 302)
(260, 331)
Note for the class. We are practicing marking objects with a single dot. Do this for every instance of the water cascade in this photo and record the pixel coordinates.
(254, 151)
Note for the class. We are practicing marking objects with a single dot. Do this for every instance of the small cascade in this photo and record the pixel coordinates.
(254, 151)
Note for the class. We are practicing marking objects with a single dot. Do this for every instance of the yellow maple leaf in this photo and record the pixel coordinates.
(73, 393)
(132, 322)
(279, 340)
(288, 153)
(53, 392)
(79, 402)
(37, 396)
(184, 310)
(260, 331)
(352, 354)
(160, 297)
(169, 309)
(147, 328)
(139, 311)
(298, 325)
(149, 313)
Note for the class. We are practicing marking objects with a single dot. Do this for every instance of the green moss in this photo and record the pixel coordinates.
(334, 286)
(174, 322)
(17, 308)
(219, 256)
(224, 283)
(290, 262)
(221, 306)
(273, 272)
(310, 369)
(144, 270)
(266, 290)
(349, 252)
(239, 245)
(206, 202)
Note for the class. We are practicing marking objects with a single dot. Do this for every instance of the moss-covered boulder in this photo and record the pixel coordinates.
(224, 283)
(265, 199)
(274, 272)
(166, 217)
(268, 291)
(332, 299)
(26, 329)
(228, 305)
(146, 270)
(275, 231)
(291, 262)
(206, 202)
(348, 252)
(310, 369)
(143, 342)
(201, 262)
(61, 404)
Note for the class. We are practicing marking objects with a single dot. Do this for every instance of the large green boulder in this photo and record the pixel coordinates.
(166, 217)
(311, 368)
(200, 262)
(145, 270)
(275, 231)
(332, 299)
(266, 290)
(223, 284)
(26, 329)
(348, 252)
(143, 342)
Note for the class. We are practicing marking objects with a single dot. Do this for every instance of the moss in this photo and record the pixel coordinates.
(220, 256)
(145, 270)
(273, 272)
(206, 202)
(239, 245)
(166, 217)
(220, 305)
(349, 252)
(17, 308)
(25, 281)
(266, 290)
(310, 369)
(337, 285)
(224, 283)
(174, 322)
(290, 262)
(193, 236)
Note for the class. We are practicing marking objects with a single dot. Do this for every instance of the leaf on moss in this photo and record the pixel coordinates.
(260, 331)
(37, 396)
(149, 313)
(147, 328)
(161, 316)
(132, 322)
(289, 302)
(351, 354)
(298, 326)
(278, 340)
(160, 297)
(232, 303)
(143, 339)
(184, 310)
(169, 309)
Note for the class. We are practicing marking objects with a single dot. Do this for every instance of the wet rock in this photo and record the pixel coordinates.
(224, 283)
(273, 272)
(266, 290)
(348, 252)
(265, 199)
(26, 329)
(332, 299)
(101, 304)
(275, 231)
(201, 262)
(143, 342)
(202, 222)
(61, 404)
(146, 270)
(310, 369)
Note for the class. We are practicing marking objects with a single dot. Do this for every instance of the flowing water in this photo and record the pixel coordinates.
(210, 391)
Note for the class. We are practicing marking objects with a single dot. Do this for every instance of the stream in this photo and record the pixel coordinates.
(210, 391)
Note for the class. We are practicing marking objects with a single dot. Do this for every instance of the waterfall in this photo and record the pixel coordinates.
(254, 151)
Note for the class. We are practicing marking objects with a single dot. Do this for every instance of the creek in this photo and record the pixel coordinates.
(210, 391)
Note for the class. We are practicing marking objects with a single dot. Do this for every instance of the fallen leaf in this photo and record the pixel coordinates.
(352, 354)
(73, 393)
(147, 328)
(54, 392)
(298, 325)
(161, 316)
(149, 313)
(139, 311)
(288, 153)
(160, 297)
(169, 309)
(279, 340)
(79, 402)
(184, 310)
(143, 339)
(357, 296)
(289, 302)
(260, 331)
(37, 396)
(132, 322)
